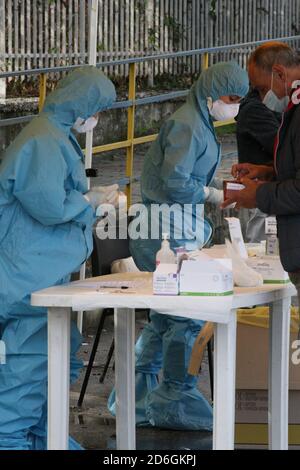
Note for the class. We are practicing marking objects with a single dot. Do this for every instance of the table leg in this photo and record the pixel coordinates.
(279, 345)
(58, 377)
(125, 378)
(224, 384)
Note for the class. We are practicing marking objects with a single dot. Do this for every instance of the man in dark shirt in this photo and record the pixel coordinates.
(274, 70)
(256, 130)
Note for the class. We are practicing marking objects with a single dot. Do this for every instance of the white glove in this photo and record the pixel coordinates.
(103, 195)
(213, 195)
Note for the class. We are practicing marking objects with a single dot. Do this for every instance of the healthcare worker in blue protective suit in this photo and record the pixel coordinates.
(46, 219)
(179, 168)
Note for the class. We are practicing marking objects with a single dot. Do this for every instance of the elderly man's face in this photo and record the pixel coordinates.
(262, 80)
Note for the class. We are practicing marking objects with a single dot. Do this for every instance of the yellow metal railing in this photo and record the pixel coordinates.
(130, 130)
(42, 90)
(205, 60)
(131, 141)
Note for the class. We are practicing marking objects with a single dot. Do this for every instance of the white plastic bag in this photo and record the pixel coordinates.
(243, 275)
(126, 265)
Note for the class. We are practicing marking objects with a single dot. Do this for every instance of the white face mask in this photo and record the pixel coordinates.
(221, 111)
(274, 103)
(82, 126)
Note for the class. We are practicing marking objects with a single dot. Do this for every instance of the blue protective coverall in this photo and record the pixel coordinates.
(45, 235)
(182, 160)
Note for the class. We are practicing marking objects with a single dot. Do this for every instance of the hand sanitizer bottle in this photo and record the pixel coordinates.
(165, 255)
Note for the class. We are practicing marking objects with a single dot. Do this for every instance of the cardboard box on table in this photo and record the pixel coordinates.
(252, 379)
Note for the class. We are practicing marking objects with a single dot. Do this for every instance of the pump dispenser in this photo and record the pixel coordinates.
(165, 255)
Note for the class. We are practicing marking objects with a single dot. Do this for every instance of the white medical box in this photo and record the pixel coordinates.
(165, 280)
(206, 277)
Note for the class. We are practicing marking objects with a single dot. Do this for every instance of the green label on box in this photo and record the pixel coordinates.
(277, 281)
(205, 294)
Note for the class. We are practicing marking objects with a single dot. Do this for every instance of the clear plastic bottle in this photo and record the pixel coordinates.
(165, 255)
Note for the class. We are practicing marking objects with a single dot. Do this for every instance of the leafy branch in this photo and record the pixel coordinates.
(212, 11)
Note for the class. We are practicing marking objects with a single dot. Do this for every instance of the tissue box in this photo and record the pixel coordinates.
(206, 277)
(165, 280)
(270, 268)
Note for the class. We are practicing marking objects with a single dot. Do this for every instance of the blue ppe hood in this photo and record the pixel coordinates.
(83, 93)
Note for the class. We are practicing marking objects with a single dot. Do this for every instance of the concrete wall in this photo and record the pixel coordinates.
(112, 125)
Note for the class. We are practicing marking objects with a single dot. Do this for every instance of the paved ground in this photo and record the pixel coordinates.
(92, 425)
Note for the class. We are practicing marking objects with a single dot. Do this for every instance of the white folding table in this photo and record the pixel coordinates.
(60, 300)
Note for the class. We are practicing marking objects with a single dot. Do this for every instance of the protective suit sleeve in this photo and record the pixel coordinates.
(181, 150)
(39, 185)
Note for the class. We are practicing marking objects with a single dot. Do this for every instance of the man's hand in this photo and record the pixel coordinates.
(246, 197)
(260, 172)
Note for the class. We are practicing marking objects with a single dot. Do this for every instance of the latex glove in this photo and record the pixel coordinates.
(213, 195)
(103, 195)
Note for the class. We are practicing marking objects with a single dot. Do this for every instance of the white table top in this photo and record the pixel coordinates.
(83, 295)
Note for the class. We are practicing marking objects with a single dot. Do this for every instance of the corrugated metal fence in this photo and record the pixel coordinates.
(47, 33)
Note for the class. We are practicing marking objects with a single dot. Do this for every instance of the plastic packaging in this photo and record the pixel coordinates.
(125, 265)
(180, 251)
(243, 275)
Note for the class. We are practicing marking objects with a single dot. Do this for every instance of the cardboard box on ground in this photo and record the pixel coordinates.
(252, 378)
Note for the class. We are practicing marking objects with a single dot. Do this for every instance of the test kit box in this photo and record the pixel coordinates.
(270, 268)
(230, 188)
(206, 277)
(166, 280)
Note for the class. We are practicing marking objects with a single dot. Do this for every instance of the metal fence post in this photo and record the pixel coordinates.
(43, 90)
(149, 26)
(93, 21)
(130, 131)
(2, 48)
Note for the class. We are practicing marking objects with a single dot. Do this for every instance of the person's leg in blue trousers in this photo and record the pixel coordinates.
(148, 360)
(166, 342)
(23, 383)
(148, 349)
(176, 402)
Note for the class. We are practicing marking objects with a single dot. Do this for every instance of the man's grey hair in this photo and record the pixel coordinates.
(271, 53)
